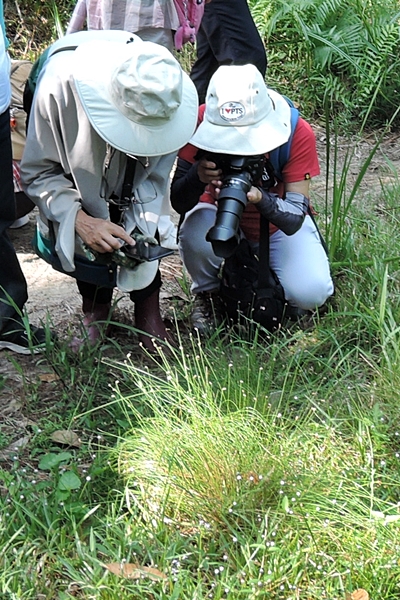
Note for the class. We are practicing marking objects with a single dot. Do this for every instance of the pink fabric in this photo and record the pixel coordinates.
(17, 176)
(190, 14)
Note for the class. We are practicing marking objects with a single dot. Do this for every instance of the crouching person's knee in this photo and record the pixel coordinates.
(310, 296)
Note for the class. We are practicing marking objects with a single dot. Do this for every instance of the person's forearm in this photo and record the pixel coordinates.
(286, 214)
(186, 187)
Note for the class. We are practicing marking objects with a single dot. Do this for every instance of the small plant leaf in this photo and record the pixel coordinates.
(134, 571)
(66, 437)
(69, 481)
(62, 495)
(285, 503)
(51, 460)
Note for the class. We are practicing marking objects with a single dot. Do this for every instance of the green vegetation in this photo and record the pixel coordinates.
(235, 467)
(334, 53)
(229, 468)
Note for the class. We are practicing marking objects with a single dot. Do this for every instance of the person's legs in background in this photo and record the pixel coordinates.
(227, 35)
(205, 64)
(12, 280)
(13, 288)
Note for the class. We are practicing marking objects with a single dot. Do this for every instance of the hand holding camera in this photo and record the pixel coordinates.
(254, 195)
(239, 174)
(209, 173)
(100, 235)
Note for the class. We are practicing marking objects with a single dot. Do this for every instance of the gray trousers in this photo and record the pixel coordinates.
(299, 260)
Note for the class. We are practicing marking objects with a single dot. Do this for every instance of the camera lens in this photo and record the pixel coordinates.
(239, 174)
(232, 200)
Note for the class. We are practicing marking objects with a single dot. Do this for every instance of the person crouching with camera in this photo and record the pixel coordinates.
(109, 114)
(229, 175)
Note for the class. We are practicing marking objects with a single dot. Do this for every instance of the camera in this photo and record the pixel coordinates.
(239, 173)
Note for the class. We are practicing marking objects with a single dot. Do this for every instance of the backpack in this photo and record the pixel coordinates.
(243, 298)
(279, 157)
(190, 13)
(30, 85)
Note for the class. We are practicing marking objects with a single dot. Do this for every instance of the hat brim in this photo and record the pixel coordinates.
(95, 63)
(259, 138)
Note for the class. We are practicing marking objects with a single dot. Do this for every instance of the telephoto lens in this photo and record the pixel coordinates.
(239, 174)
(224, 235)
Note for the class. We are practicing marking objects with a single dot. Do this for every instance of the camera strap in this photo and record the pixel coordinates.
(264, 277)
(118, 205)
(126, 194)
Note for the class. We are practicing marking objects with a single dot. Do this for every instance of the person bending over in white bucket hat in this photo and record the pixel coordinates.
(110, 112)
(243, 118)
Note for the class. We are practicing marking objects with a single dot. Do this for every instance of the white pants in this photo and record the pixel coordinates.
(299, 260)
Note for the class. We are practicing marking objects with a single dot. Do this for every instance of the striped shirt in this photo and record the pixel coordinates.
(128, 15)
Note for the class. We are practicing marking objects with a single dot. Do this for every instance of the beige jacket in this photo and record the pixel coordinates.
(64, 168)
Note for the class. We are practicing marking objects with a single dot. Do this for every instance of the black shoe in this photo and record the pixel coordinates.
(25, 342)
(207, 313)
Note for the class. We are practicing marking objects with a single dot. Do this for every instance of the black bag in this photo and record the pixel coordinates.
(249, 288)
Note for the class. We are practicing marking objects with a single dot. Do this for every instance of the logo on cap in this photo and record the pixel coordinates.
(232, 111)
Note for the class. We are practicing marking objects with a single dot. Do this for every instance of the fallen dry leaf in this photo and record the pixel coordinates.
(359, 594)
(133, 571)
(66, 437)
(12, 407)
(48, 377)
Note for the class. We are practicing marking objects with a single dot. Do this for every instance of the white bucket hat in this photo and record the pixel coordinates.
(242, 116)
(136, 96)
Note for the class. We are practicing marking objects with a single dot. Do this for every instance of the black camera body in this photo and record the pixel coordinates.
(239, 173)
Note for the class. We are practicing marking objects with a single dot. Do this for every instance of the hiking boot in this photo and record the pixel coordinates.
(22, 341)
(207, 313)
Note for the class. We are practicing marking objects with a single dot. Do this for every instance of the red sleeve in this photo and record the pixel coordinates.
(303, 160)
(189, 151)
